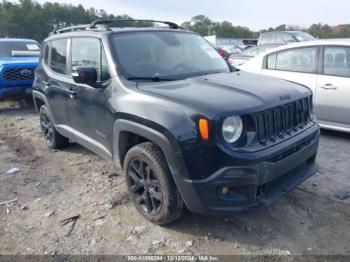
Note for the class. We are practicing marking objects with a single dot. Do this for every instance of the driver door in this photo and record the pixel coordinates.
(90, 107)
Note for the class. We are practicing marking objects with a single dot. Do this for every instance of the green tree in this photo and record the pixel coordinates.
(29, 19)
(200, 24)
(342, 31)
(321, 31)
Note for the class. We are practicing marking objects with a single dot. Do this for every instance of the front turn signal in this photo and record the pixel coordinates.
(204, 128)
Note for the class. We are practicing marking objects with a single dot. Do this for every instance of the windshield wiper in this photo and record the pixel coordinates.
(150, 78)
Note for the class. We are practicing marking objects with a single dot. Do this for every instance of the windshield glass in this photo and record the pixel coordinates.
(301, 36)
(165, 55)
(7, 47)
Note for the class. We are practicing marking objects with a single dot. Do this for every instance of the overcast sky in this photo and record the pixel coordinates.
(256, 14)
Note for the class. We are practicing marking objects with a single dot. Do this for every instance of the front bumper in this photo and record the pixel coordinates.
(255, 185)
(15, 91)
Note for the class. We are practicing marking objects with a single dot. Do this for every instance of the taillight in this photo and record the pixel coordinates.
(222, 52)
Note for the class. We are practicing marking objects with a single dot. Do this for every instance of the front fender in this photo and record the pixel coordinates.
(171, 152)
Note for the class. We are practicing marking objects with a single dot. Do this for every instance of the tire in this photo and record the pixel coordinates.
(150, 184)
(53, 138)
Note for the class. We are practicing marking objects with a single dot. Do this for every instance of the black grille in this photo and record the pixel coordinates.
(18, 74)
(282, 121)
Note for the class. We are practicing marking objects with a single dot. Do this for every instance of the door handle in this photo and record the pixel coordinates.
(329, 87)
(71, 93)
(46, 84)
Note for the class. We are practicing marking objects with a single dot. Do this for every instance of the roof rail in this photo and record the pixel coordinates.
(94, 25)
(108, 21)
(70, 29)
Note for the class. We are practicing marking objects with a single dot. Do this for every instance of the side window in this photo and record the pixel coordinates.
(59, 56)
(298, 60)
(288, 38)
(266, 39)
(271, 61)
(279, 40)
(337, 61)
(87, 52)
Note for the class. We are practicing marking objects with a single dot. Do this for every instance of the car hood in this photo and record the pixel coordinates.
(238, 92)
(18, 60)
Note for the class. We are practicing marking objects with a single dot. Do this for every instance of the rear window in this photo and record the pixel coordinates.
(9, 48)
(59, 56)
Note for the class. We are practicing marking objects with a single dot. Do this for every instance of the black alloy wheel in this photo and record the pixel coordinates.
(53, 139)
(46, 126)
(151, 185)
(145, 186)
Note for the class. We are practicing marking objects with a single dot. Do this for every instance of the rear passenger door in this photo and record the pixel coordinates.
(297, 65)
(55, 80)
(90, 113)
(332, 100)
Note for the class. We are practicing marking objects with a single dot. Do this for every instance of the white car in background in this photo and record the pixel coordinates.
(321, 65)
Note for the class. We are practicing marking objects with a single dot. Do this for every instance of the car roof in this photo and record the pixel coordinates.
(17, 40)
(322, 42)
(280, 32)
(122, 29)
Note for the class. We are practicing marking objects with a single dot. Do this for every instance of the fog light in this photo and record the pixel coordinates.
(225, 190)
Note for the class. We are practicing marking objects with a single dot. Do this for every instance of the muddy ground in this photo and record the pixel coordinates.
(54, 185)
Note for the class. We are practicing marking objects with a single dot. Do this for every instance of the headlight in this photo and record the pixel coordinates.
(232, 129)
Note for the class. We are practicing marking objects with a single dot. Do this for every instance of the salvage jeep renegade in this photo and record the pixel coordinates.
(187, 129)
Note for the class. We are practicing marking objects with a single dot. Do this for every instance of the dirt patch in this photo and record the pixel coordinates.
(54, 185)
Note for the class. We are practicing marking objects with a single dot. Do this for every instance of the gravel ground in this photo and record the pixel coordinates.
(54, 185)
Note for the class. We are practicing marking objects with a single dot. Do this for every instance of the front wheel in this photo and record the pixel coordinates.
(53, 138)
(151, 185)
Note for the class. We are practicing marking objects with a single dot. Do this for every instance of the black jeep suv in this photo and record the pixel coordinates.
(185, 127)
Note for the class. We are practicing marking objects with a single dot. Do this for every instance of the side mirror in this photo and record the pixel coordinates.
(85, 75)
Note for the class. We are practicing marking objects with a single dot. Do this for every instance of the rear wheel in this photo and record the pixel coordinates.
(53, 138)
(151, 185)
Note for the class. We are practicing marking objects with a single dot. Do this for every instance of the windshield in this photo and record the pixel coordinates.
(165, 55)
(7, 48)
(301, 36)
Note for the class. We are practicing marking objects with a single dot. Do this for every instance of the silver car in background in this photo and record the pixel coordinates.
(321, 65)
